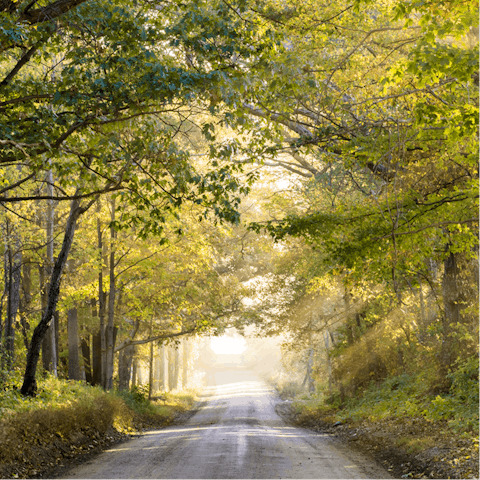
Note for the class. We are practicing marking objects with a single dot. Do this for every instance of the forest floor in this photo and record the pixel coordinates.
(407, 448)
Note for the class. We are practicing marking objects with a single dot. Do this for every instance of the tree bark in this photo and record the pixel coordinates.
(308, 380)
(4, 294)
(134, 368)
(156, 371)
(176, 368)
(101, 302)
(111, 304)
(46, 355)
(29, 386)
(87, 366)
(163, 375)
(171, 368)
(13, 302)
(125, 367)
(452, 315)
(73, 360)
(97, 359)
(185, 362)
(51, 361)
(151, 364)
(326, 336)
(25, 300)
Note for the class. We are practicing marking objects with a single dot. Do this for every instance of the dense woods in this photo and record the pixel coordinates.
(172, 169)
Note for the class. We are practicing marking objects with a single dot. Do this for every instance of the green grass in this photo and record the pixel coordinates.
(52, 393)
(408, 396)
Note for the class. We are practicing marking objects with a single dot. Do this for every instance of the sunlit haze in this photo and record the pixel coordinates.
(228, 345)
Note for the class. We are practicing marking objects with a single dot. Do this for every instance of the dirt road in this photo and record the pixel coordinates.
(237, 434)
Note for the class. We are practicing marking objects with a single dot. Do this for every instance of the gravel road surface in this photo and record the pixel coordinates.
(236, 434)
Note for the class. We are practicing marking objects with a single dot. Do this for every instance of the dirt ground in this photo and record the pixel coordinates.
(406, 448)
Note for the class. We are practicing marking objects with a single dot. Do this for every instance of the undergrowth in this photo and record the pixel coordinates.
(72, 413)
(407, 396)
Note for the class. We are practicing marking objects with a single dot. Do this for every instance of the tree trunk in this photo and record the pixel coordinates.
(156, 371)
(111, 303)
(308, 380)
(150, 368)
(46, 354)
(451, 316)
(52, 351)
(185, 363)
(171, 369)
(25, 300)
(87, 366)
(176, 381)
(4, 294)
(162, 375)
(326, 337)
(97, 359)
(348, 325)
(101, 302)
(13, 302)
(125, 367)
(29, 386)
(73, 360)
(134, 367)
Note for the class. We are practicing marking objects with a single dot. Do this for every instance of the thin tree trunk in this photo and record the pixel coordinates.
(14, 267)
(308, 380)
(176, 368)
(150, 371)
(326, 336)
(163, 376)
(422, 303)
(348, 325)
(156, 371)
(73, 360)
(111, 302)
(97, 359)
(87, 366)
(125, 367)
(29, 386)
(134, 368)
(25, 299)
(171, 369)
(46, 354)
(52, 361)
(185, 362)
(101, 303)
(4, 294)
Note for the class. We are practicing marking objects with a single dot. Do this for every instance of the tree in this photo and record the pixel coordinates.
(108, 65)
(380, 136)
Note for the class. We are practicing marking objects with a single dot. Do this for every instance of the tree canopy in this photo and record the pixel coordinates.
(158, 118)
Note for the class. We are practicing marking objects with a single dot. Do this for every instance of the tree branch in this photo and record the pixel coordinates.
(49, 12)
(128, 342)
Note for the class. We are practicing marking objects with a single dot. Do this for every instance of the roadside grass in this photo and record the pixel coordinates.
(286, 385)
(406, 396)
(67, 417)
